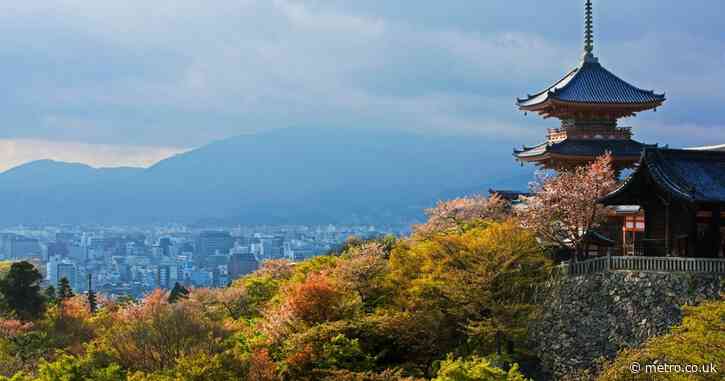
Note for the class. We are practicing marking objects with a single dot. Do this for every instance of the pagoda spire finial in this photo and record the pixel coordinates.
(589, 34)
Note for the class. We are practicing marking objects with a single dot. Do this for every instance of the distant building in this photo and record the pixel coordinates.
(125, 273)
(272, 247)
(14, 246)
(57, 249)
(77, 253)
(201, 278)
(241, 264)
(165, 245)
(66, 237)
(217, 260)
(163, 276)
(59, 269)
(302, 253)
(211, 242)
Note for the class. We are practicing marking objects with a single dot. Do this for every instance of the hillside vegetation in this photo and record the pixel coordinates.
(452, 302)
(449, 302)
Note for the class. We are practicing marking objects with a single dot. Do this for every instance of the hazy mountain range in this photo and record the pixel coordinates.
(295, 175)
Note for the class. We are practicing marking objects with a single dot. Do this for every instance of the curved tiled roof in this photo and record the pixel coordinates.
(591, 83)
(695, 176)
(589, 147)
(719, 147)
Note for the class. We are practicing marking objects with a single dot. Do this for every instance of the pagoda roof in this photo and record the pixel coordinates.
(591, 84)
(620, 148)
(688, 175)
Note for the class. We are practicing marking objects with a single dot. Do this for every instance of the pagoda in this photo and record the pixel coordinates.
(589, 100)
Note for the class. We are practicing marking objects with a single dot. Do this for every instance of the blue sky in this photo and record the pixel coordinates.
(130, 82)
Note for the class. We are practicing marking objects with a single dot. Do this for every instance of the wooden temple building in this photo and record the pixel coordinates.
(669, 215)
(682, 193)
(589, 101)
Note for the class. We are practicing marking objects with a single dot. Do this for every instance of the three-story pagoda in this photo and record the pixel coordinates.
(589, 101)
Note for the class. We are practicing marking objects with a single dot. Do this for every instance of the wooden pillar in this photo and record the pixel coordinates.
(668, 229)
(692, 239)
(715, 224)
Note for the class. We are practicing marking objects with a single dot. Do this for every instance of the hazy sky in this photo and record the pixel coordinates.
(128, 82)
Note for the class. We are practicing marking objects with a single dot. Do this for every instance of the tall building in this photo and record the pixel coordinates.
(59, 269)
(77, 253)
(589, 101)
(241, 263)
(272, 247)
(165, 245)
(211, 242)
(163, 276)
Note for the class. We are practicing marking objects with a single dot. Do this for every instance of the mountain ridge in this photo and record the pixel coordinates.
(293, 175)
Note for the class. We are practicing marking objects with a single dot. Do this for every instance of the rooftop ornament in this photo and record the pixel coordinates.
(589, 100)
(589, 35)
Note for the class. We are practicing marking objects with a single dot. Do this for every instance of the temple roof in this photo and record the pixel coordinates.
(693, 176)
(596, 238)
(720, 147)
(584, 148)
(509, 195)
(591, 83)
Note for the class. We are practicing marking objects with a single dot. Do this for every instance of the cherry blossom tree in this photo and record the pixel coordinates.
(564, 207)
(453, 214)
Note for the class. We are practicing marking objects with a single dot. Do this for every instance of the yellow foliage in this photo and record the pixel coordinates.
(698, 340)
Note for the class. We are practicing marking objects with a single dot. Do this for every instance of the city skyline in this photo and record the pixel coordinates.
(134, 260)
(126, 84)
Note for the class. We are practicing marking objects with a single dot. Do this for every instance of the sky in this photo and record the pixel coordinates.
(129, 82)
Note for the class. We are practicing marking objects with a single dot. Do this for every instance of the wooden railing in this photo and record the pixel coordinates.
(647, 264)
(556, 135)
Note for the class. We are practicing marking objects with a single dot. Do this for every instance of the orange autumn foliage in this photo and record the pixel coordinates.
(262, 368)
(315, 300)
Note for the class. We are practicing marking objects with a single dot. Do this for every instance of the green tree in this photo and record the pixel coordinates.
(71, 368)
(344, 353)
(476, 286)
(177, 293)
(699, 339)
(64, 289)
(50, 295)
(475, 369)
(21, 292)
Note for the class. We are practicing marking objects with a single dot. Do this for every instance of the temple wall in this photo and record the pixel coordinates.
(589, 317)
(656, 227)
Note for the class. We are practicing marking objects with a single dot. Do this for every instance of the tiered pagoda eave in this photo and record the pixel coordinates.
(591, 91)
(589, 100)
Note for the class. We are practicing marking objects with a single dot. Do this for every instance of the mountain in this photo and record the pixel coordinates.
(48, 173)
(294, 175)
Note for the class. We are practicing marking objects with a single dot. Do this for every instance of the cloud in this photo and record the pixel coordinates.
(183, 73)
(18, 151)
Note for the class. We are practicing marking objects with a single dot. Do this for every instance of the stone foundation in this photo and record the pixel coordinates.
(590, 317)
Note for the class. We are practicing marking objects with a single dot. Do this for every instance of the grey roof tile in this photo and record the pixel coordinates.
(591, 83)
(695, 176)
(588, 147)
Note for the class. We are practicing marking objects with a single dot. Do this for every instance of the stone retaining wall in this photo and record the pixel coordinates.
(593, 316)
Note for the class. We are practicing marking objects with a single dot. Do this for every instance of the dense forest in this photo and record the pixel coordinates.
(451, 302)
